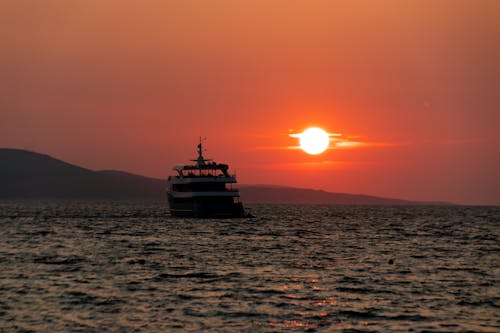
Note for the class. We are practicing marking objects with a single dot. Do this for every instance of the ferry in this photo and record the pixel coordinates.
(204, 189)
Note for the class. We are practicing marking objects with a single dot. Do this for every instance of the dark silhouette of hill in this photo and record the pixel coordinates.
(289, 195)
(30, 175)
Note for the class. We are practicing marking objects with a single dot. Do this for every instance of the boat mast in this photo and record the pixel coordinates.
(200, 160)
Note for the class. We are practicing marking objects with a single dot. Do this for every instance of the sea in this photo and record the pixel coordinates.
(131, 267)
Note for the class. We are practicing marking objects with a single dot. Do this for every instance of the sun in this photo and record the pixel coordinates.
(314, 140)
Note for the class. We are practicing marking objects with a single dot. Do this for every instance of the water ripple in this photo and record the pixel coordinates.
(97, 267)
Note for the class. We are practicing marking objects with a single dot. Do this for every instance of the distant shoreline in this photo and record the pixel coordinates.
(30, 176)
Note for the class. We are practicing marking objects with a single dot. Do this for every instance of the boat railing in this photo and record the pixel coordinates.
(194, 175)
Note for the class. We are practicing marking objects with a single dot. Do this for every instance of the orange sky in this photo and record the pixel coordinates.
(131, 85)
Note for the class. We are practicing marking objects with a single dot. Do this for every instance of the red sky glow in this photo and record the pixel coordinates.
(412, 87)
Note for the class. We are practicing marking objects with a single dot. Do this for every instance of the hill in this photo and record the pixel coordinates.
(30, 175)
(289, 195)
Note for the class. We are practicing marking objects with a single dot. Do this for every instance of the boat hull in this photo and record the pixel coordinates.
(205, 207)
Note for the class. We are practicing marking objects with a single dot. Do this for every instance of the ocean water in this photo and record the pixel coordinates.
(130, 267)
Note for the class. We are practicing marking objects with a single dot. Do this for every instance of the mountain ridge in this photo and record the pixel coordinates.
(31, 175)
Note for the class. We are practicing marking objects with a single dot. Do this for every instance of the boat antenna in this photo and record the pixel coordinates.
(200, 160)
